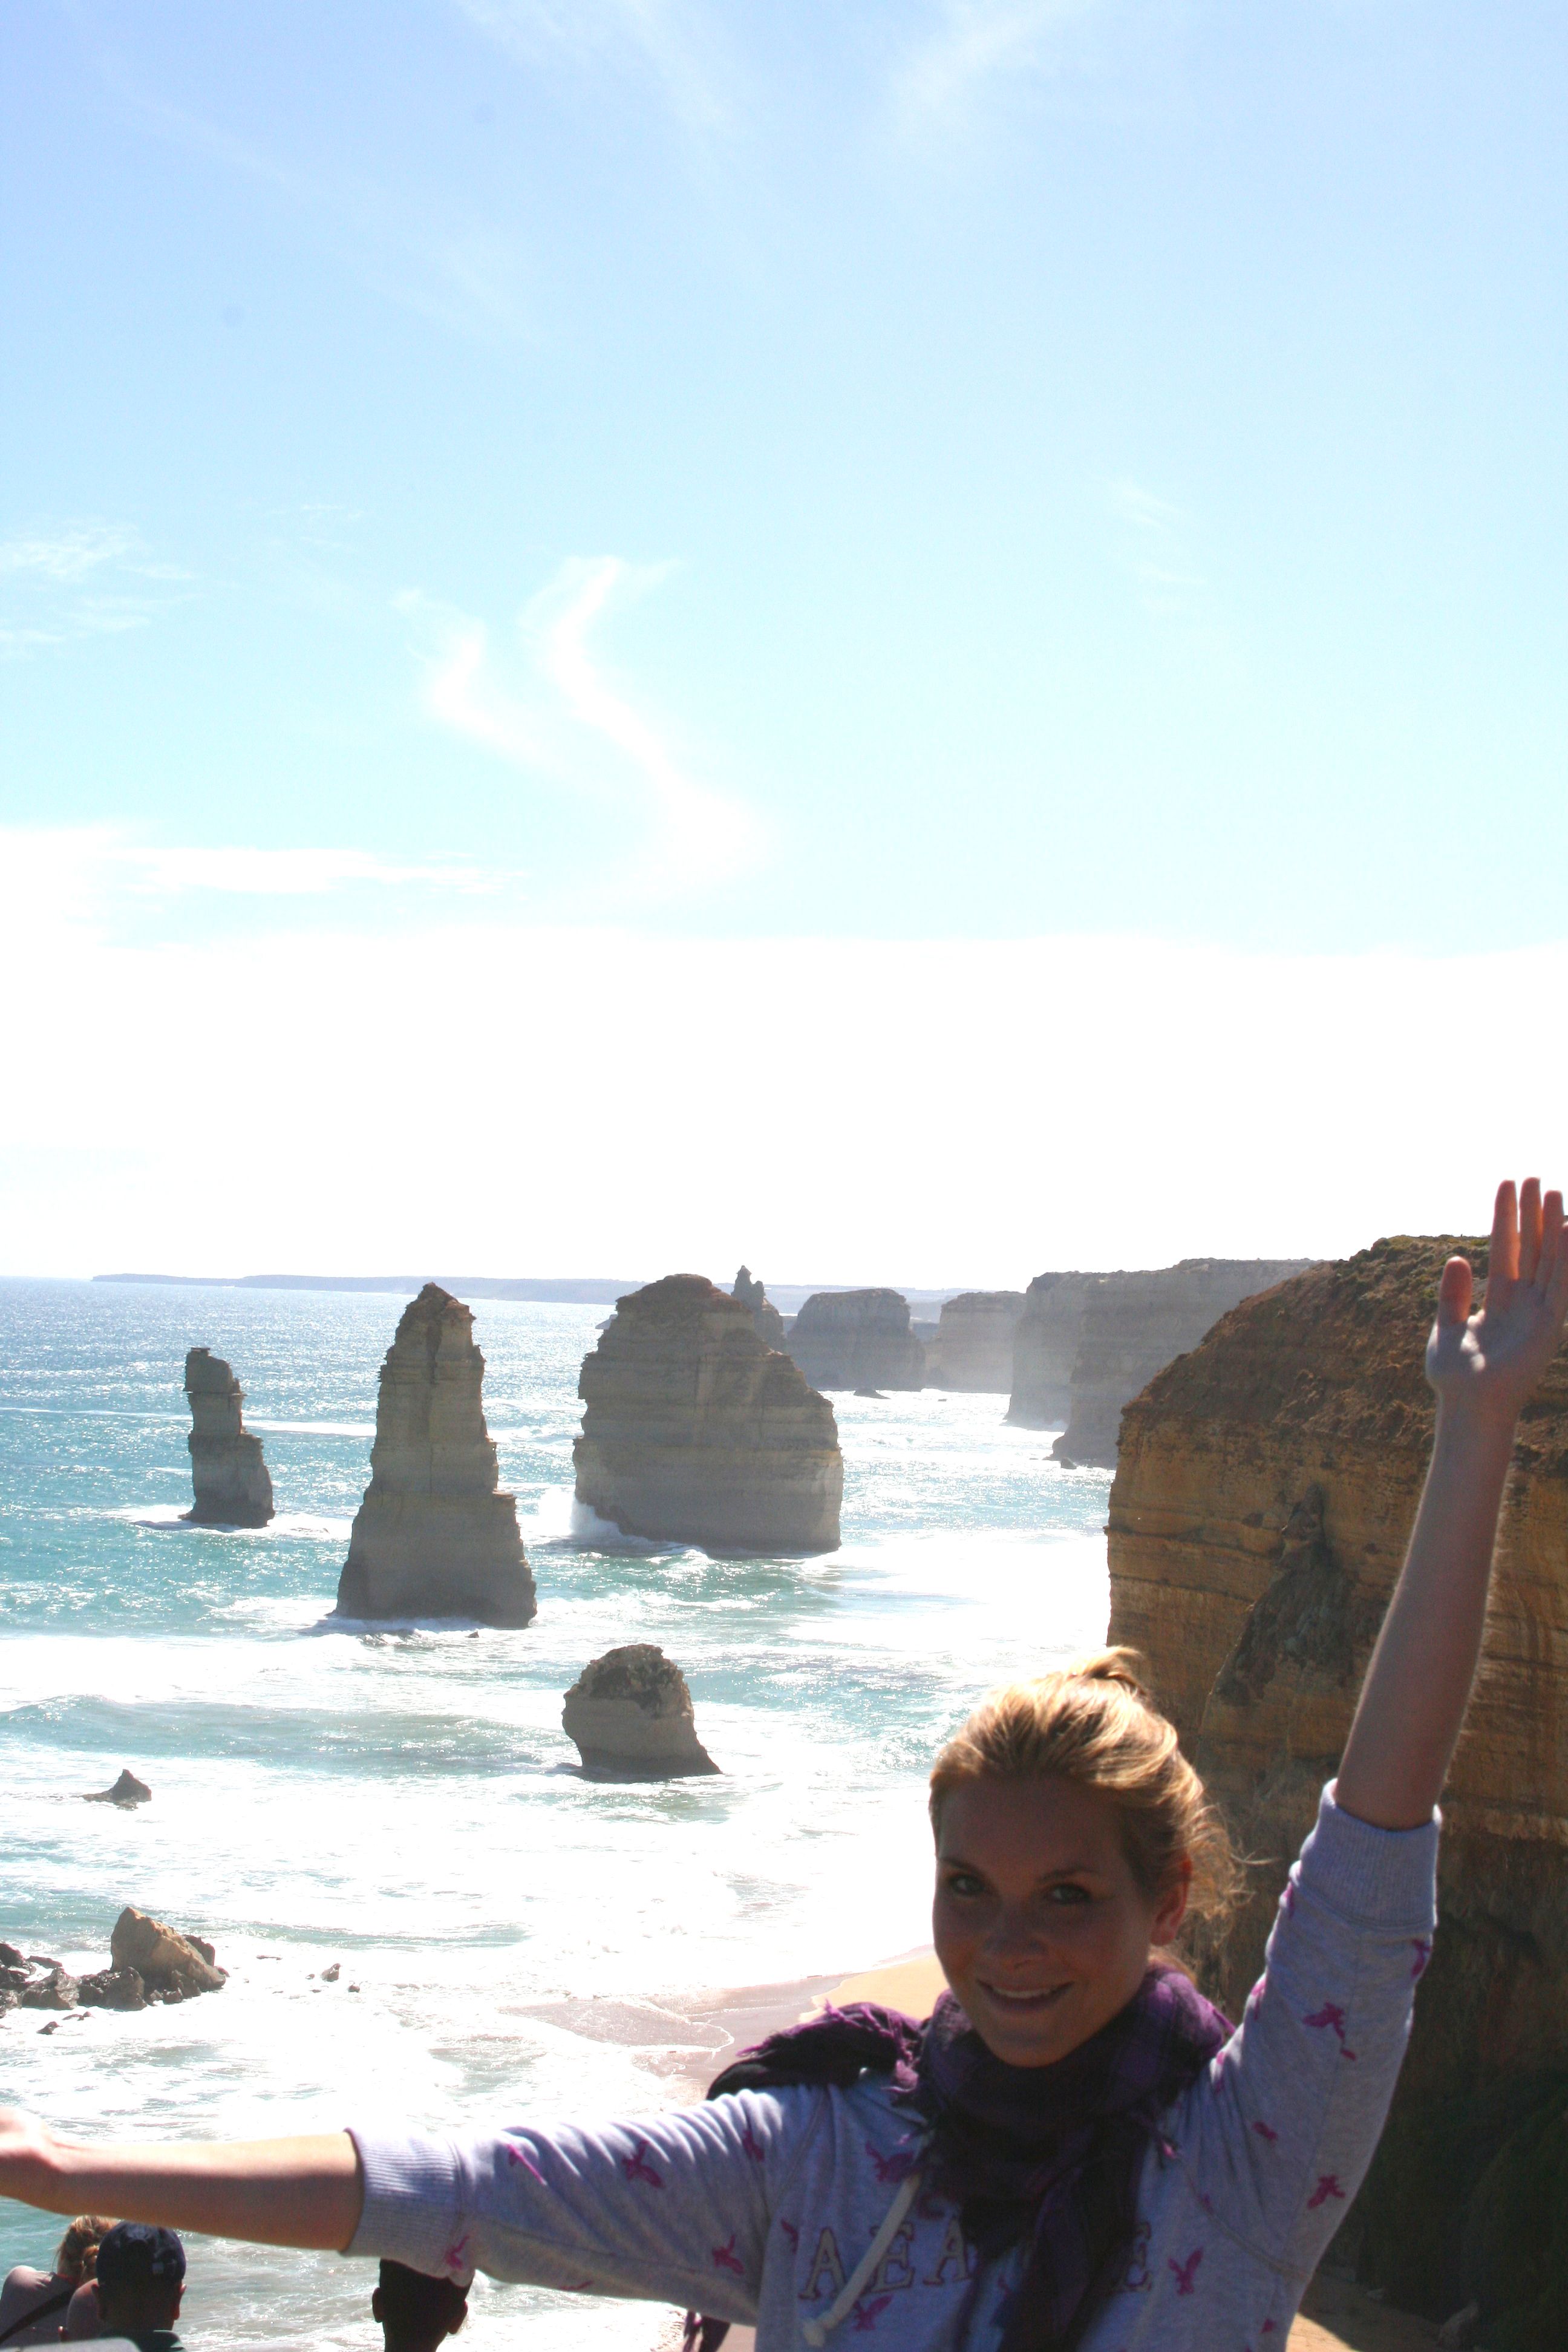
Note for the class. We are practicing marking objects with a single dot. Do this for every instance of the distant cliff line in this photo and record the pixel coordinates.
(569, 1290)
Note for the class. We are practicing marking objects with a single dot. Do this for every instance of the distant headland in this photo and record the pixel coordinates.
(560, 1290)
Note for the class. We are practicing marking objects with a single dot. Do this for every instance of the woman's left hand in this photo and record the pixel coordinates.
(1487, 1363)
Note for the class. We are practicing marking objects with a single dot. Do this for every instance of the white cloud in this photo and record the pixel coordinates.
(560, 722)
(971, 43)
(68, 553)
(80, 580)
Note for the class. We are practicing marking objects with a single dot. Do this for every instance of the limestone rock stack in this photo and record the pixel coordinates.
(630, 1714)
(227, 1474)
(858, 1339)
(975, 1340)
(1044, 1348)
(1264, 1493)
(695, 1431)
(1133, 1325)
(765, 1316)
(434, 1537)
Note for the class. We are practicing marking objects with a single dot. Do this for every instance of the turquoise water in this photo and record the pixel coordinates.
(404, 1801)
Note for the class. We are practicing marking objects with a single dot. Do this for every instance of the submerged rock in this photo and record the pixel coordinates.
(170, 1967)
(127, 1791)
(974, 1341)
(630, 1712)
(227, 1474)
(694, 1430)
(765, 1316)
(858, 1339)
(434, 1536)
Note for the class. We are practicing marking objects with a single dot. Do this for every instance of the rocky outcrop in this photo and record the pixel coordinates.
(1133, 1325)
(975, 1340)
(1044, 1348)
(127, 1793)
(695, 1431)
(858, 1339)
(630, 1714)
(170, 1967)
(1264, 1493)
(434, 1537)
(769, 1323)
(227, 1474)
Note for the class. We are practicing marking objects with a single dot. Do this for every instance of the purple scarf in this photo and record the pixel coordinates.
(1048, 2153)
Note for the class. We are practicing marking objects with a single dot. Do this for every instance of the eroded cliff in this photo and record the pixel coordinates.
(228, 1476)
(694, 1430)
(974, 1341)
(1044, 1348)
(858, 1339)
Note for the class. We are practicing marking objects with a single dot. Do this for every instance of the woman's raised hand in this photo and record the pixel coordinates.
(1487, 1362)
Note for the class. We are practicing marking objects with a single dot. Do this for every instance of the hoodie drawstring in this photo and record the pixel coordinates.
(817, 2331)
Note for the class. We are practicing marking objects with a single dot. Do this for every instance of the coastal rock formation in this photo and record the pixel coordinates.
(695, 1431)
(1133, 1325)
(765, 1316)
(1044, 1348)
(630, 1714)
(434, 1537)
(858, 1339)
(975, 1340)
(1265, 1491)
(126, 1792)
(228, 1473)
(172, 1966)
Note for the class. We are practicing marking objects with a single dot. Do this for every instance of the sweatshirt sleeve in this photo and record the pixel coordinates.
(675, 2210)
(1282, 2127)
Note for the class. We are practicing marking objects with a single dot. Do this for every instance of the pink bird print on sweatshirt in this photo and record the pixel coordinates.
(792, 2232)
(1186, 2271)
(752, 2146)
(519, 2156)
(1422, 1946)
(890, 2168)
(868, 2313)
(637, 2167)
(1266, 2131)
(725, 2257)
(1330, 2019)
(1328, 2186)
(453, 2257)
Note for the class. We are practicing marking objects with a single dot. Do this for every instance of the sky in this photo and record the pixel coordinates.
(911, 642)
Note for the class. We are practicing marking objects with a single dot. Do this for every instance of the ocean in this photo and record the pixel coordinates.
(404, 1802)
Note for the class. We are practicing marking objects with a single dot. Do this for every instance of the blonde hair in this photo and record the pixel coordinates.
(1093, 1723)
(78, 2256)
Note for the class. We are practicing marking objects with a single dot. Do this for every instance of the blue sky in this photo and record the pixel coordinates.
(971, 472)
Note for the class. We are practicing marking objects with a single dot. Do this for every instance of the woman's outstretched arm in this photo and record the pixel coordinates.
(1482, 1366)
(277, 2192)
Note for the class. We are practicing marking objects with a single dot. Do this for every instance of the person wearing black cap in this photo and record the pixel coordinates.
(416, 2313)
(140, 2279)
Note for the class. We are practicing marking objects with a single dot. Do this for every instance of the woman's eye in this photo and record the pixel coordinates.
(1069, 1894)
(965, 1883)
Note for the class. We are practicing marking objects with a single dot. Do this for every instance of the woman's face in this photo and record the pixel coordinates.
(1040, 1926)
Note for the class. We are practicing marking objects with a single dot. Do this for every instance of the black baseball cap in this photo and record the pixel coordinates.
(138, 2254)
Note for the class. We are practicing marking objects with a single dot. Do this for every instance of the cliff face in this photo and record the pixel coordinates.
(695, 1431)
(858, 1339)
(1264, 1495)
(768, 1323)
(1133, 1325)
(1044, 1348)
(975, 1340)
(228, 1476)
(433, 1536)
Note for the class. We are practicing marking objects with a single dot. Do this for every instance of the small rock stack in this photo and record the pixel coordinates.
(631, 1716)
(228, 1473)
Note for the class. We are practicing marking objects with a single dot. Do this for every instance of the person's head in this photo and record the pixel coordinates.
(416, 2313)
(78, 2256)
(1072, 1838)
(140, 2278)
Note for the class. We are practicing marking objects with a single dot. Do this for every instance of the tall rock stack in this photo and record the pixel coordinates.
(1264, 1495)
(1044, 1348)
(696, 1432)
(1133, 1325)
(974, 1341)
(858, 1339)
(434, 1537)
(765, 1316)
(228, 1476)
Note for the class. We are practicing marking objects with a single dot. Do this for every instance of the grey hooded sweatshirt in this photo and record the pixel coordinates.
(800, 2211)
